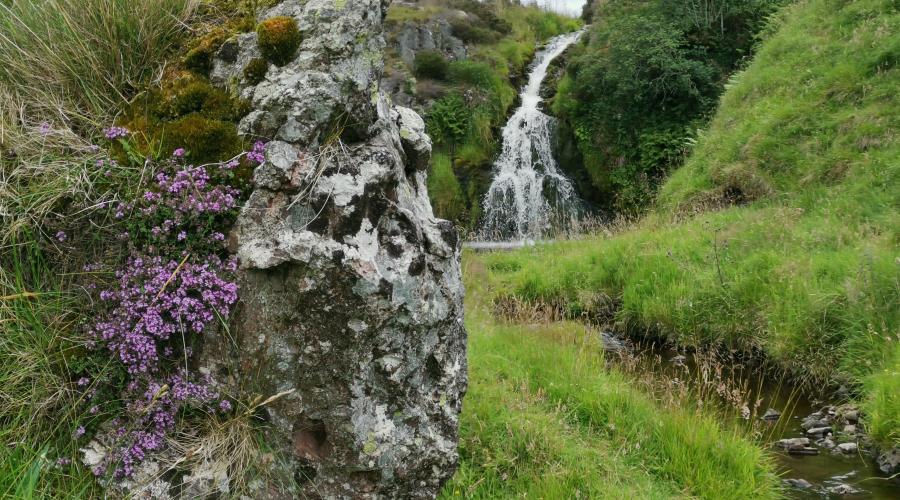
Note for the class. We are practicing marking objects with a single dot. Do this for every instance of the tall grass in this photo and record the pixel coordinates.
(38, 399)
(66, 68)
(74, 61)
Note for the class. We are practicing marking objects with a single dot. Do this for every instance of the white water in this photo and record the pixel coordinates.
(529, 195)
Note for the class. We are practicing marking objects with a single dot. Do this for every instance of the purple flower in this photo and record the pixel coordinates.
(113, 133)
(258, 154)
(83, 381)
(225, 406)
(45, 129)
(61, 236)
(178, 153)
(63, 461)
(182, 235)
(79, 432)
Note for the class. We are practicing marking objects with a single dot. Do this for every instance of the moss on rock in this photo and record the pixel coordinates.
(279, 39)
(199, 58)
(256, 70)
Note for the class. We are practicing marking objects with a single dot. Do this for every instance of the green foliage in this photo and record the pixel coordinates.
(649, 76)
(804, 266)
(430, 64)
(279, 39)
(205, 139)
(448, 120)
(256, 70)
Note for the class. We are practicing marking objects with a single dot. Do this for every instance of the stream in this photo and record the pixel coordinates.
(746, 391)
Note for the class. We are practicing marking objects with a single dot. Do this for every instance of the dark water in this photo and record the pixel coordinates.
(720, 378)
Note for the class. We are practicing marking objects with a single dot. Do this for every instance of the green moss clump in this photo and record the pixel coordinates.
(200, 57)
(279, 39)
(205, 139)
(256, 70)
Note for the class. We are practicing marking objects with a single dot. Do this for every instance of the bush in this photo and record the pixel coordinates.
(279, 39)
(448, 120)
(430, 64)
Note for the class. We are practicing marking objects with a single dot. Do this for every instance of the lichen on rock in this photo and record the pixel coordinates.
(351, 293)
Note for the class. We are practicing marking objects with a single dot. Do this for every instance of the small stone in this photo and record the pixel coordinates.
(819, 431)
(800, 484)
(889, 461)
(826, 443)
(848, 447)
(850, 429)
(851, 416)
(843, 489)
(771, 414)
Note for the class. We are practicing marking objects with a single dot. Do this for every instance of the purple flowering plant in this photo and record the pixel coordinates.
(174, 284)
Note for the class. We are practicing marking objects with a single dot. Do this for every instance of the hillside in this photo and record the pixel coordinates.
(778, 236)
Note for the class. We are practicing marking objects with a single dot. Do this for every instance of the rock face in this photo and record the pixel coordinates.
(351, 294)
(437, 35)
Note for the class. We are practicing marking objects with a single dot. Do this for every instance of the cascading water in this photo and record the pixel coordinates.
(529, 195)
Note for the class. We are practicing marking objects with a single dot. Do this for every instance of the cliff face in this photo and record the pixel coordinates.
(351, 298)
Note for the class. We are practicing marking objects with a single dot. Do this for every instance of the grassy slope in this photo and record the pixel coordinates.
(807, 269)
(544, 418)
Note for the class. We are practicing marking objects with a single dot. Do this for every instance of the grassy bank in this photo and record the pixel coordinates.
(779, 233)
(545, 418)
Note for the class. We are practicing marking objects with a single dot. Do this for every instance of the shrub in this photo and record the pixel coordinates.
(279, 39)
(256, 70)
(448, 120)
(200, 58)
(430, 64)
(468, 32)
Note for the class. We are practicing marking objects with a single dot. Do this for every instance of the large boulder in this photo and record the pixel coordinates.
(350, 290)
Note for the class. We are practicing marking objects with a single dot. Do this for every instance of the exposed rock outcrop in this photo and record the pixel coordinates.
(351, 294)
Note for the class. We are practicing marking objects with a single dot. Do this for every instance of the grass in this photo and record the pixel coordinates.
(71, 64)
(545, 418)
(38, 400)
(779, 234)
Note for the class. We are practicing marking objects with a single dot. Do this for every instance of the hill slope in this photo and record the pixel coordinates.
(779, 233)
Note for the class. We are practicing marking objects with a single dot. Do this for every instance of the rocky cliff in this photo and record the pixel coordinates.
(351, 299)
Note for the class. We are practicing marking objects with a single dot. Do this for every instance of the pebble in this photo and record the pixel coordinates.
(800, 484)
(771, 414)
(819, 431)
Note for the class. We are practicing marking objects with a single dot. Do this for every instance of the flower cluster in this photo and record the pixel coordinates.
(113, 133)
(258, 155)
(153, 410)
(174, 286)
(156, 299)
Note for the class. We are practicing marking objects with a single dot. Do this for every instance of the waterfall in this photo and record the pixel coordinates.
(529, 195)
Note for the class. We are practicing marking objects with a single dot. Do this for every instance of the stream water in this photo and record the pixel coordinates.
(528, 194)
(744, 390)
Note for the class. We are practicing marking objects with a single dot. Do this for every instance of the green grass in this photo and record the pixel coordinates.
(804, 266)
(38, 401)
(545, 418)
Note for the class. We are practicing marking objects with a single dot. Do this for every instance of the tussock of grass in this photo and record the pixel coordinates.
(544, 417)
(803, 267)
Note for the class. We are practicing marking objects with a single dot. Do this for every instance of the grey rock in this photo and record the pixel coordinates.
(889, 461)
(792, 443)
(350, 289)
(819, 431)
(850, 429)
(848, 447)
(800, 484)
(435, 35)
(843, 489)
(771, 414)
(231, 60)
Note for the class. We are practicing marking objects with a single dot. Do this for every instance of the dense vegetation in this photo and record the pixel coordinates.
(779, 233)
(466, 102)
(648, 77)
